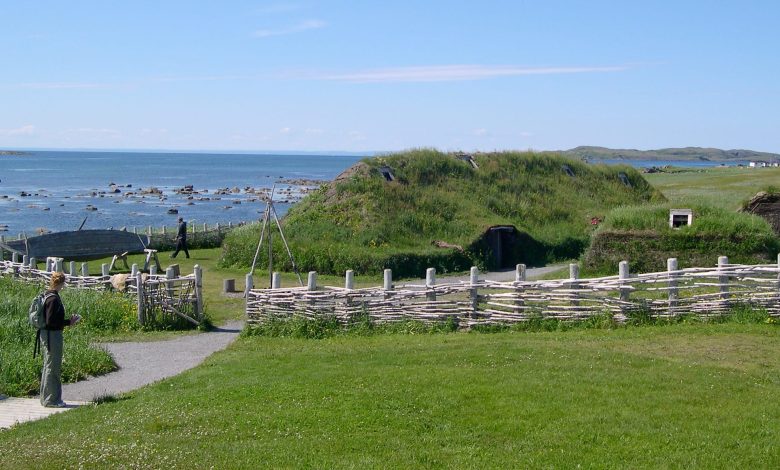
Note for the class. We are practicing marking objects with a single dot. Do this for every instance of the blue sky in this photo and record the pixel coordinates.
(360, 76)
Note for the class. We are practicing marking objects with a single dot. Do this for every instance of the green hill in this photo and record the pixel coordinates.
(686, 153)
(424, 208)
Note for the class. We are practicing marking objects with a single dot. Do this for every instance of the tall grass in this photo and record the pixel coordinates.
(101, 312)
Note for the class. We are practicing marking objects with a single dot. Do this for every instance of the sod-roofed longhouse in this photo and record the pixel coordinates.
(423, 208)
(766, 205)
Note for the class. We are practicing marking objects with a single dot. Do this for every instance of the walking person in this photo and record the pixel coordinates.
(51, 342)
(181, 239)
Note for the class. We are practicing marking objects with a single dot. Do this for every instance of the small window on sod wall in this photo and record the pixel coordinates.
(680, 217)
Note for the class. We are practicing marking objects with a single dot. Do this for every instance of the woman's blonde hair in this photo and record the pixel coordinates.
(57, 279)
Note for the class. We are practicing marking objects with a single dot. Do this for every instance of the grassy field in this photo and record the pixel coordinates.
(700, 396)
(721, 187)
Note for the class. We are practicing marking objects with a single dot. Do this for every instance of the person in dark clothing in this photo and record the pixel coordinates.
(181, 239)
(51, 343)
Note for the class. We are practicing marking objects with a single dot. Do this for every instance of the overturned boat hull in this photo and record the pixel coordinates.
(80, 245)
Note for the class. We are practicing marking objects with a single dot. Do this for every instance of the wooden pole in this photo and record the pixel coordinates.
(72, 269)
(574, 274)
(387, 283)
(84, 269)
(312, 281)
(473, 294)
(519, 277)
(349, 282)
(199, 291)
(723, 280)
(140, 289)
(170, 273)
(674, 292)
(276, 280)
(623, 274)
(430, 283)
(248, 285)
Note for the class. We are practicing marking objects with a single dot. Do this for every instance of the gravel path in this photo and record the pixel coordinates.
(143, 363)
(147, 362)
(507, 275)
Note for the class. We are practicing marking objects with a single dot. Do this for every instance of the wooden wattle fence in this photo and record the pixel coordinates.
(699, 291)
(160, 295)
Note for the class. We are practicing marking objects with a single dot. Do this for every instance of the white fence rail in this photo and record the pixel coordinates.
(161, 295)
(699, 291)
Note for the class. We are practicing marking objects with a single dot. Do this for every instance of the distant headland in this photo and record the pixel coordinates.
(685, 153)
(13, 152)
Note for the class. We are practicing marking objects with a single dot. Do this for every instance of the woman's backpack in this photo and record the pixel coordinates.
(36, 315)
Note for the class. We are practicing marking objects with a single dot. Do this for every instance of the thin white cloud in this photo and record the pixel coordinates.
(297, 28)
(481, 132)
(29, 129)
(95, 132)
(57, 86)
(445, 73)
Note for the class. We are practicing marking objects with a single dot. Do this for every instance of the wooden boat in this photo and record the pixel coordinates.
(79, 245)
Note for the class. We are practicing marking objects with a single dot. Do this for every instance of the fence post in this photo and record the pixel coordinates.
(312, 281)
(430, 283)
(84, 269)
(623, 274)
(33, 262)
(133, 270)
(473, 294)
(248, 285)
(574, 274)
(723, 262)
(153, 270)
(170, 273)
(140, 289)
(72, 269)
(778, 273)
(674, 292)
(349, 282)
(276, 280)
(519, 277)
(15, 257)
(388, 282)
(149, 230)
(199, 291)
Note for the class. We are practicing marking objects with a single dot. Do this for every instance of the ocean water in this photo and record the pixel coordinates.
(61, 185)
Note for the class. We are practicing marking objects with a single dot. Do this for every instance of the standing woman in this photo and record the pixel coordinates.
(51, 343)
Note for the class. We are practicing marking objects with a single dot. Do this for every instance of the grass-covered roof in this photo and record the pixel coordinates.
(364, 222)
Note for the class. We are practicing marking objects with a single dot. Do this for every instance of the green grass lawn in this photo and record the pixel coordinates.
(655, 396)
(721, 187)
